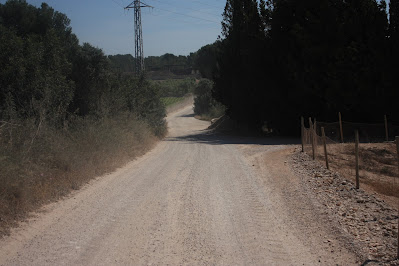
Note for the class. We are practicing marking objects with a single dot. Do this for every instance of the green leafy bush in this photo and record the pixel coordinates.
(204, 104)
(65, 114)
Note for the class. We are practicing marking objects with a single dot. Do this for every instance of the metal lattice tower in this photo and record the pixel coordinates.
(138, 35)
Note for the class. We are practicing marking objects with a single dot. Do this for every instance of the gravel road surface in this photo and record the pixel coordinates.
(195, 199)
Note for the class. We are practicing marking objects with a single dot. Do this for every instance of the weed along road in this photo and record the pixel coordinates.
(195, 199)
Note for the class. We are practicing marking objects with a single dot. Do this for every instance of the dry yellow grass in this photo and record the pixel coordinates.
(39, 165)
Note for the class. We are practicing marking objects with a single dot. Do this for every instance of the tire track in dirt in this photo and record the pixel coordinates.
(255, 227)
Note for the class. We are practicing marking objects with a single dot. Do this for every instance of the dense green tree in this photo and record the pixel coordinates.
(394, 19)
(205, 105)
(167, 62)
(330, 54)
(240, 61)
(34, 57)
(280, 59)
(46, 76)
(146, 103)
(392, 57)
(122, 63)
(89, 72)
(203, 97)
(206, 59)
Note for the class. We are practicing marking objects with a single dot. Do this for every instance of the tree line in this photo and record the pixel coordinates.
(48, 77)
(178, 64)
(278, 60)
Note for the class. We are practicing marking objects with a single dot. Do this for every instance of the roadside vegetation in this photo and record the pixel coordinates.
(205, 106)
(66, 115)
(175, 87)
(174, 91)
(168, 101)
(165, 65)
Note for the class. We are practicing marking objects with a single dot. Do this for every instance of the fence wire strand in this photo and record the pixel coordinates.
(377, 160)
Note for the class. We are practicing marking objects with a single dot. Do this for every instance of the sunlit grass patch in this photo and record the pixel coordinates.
(168, 101)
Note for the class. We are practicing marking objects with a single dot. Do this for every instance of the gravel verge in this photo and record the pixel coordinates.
(370, 222)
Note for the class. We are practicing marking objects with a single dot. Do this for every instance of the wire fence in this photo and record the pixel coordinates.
(363, 152)
(367, 132)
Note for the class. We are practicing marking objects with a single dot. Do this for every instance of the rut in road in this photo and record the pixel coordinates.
(193, 200)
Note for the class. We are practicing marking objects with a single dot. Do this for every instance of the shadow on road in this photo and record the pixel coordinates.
(209, 137)
(187, 115)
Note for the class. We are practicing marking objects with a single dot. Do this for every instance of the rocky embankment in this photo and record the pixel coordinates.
(369, 221)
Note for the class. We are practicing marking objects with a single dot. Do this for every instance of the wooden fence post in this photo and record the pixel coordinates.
(386, 128)
(315, 133)
(397, 151)
(302, 132)
(325, 146)
(312, 137)
(340, 127)
(357, 158)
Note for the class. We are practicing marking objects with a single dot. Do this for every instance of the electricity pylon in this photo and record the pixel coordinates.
(138, 35)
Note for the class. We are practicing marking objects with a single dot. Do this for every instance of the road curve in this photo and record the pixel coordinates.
(192, 200)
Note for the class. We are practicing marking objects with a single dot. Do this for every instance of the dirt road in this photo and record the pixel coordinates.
(196, 199)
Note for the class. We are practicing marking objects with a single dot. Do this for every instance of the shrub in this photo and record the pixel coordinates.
(204, 104)
(42, 163)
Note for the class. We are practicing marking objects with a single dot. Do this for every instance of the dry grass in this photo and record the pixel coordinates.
(41, 164)
(378, 165)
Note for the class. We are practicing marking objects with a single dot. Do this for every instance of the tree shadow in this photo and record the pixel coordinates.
(212, 138)
(188, 115)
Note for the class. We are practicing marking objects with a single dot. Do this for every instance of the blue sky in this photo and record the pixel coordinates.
(171, 26)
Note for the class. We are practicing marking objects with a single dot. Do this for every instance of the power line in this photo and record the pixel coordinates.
(197, 10)
(117, 3)
(197, 1)
(191, 16)
(187, 15)
(136, 5)
(206, 4)
(184, 21)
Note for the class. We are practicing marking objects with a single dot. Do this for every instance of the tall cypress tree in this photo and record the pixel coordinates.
(236, 83)
(393, 55)
(282, 59)
(394, 19)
